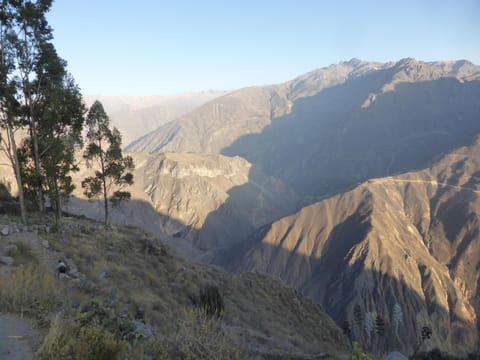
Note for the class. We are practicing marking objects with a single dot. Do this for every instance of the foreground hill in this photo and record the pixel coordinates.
(123, 284)
(411, 240)
(331, 128)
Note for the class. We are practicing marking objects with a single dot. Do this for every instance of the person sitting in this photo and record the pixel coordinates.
(61, 267)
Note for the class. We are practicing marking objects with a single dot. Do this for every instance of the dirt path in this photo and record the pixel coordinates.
(18, 338)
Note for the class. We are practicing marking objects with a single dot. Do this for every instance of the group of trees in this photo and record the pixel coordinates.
(369, 330)
(42, 116)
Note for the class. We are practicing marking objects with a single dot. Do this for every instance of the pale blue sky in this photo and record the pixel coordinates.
(155, 47)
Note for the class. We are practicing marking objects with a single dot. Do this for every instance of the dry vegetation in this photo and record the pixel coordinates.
(131, 298)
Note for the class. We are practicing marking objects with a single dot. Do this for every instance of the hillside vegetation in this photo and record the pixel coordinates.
(127, 296)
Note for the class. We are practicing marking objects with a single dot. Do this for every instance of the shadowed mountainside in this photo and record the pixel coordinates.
(336, 126)
(412, 239)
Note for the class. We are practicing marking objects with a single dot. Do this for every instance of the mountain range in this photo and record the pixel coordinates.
(136, 115)
(382, 159)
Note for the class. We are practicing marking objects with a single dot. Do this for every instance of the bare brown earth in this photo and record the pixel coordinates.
(188, 196)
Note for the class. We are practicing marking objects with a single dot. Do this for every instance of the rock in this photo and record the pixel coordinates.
(64, 276)
(146, 330)
(45, 244)
(7, 260)
(5, 231)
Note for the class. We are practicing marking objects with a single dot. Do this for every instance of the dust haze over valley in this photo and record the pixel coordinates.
(356, 184)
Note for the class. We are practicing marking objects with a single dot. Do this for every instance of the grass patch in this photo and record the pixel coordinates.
(22, 254)
(29, 290)
(69, 340)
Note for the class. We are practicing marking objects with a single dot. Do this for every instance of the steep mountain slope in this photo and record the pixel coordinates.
(136, 116)
(122, 281)
(340, 125)
(219, 123)
(412, 239)
(189, 196)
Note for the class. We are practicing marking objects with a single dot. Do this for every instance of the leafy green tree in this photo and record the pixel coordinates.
(10, 120)
(61, 114)
(113, 170)
(29, 36)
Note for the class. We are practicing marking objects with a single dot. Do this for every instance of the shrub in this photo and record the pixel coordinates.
(211, 301)
(22, 254)
(70, 340)
(29, 290)
(200, 336)
(358, 354)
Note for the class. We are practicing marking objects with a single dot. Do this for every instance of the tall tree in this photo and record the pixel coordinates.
(113, 170)
(32, 33)
(10, 121)
(60, 112)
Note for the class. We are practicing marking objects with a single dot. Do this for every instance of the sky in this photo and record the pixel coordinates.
(160, 47)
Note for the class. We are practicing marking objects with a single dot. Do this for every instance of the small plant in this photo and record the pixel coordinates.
(347, 331)
(70, 340)
(211, 301)
(29, 290)
(358, 354)
(426, 334)
(22, 253)
(200, 336)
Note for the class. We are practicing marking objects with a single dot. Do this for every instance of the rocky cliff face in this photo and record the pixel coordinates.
(411, 240)
(211, 201)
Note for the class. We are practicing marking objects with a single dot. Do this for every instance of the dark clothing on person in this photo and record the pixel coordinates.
(61, 267)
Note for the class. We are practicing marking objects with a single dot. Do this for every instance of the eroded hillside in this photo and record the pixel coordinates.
(211, 201)
(412, 239)
(331, 128)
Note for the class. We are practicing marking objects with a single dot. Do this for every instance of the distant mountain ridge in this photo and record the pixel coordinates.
(138, 115)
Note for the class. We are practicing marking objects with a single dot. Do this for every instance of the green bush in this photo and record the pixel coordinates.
(358, 354)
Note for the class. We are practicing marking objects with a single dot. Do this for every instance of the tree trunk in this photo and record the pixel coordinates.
(16, 168)
(104, 183)
(57, 202)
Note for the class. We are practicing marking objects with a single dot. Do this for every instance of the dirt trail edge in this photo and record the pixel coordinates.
(18, 338)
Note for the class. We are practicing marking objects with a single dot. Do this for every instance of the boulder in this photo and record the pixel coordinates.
(7, 260)
(5, 231)
(45, 244)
